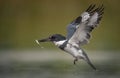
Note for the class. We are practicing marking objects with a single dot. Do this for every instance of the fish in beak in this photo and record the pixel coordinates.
(42, 40)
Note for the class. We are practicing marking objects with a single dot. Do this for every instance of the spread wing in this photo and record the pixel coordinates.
(79, 30)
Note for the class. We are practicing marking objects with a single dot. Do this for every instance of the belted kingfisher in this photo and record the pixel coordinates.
(78, 34)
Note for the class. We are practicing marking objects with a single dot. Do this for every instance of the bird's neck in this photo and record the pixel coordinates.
(59, 43)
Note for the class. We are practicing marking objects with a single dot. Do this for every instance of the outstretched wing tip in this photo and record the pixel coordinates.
(91, 6)
(81, 34)
(91, 9)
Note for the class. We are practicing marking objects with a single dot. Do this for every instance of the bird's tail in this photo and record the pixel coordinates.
(88, 61)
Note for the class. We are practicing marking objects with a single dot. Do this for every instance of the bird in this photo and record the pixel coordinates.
(78, 34)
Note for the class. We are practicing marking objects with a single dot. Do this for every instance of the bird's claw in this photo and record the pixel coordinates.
(75, 61)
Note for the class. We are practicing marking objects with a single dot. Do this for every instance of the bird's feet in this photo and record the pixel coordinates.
(75, 61)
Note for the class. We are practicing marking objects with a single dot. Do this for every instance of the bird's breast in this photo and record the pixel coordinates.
(73, 50)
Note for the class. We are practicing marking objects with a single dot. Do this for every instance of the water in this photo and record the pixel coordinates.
(35, 64)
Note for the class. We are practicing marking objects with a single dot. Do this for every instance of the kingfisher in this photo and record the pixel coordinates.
(78, 34)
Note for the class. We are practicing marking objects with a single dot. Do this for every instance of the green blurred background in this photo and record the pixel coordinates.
(23, 21)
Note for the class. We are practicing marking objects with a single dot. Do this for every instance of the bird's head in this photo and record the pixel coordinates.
(52, 38)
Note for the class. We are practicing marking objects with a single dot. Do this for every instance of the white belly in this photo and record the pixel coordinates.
(73, 51)
(70, 49)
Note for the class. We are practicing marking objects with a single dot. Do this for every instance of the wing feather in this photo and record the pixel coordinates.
(90, 20)
(71, 28)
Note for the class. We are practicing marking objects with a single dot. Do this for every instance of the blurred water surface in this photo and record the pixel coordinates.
(55, 64)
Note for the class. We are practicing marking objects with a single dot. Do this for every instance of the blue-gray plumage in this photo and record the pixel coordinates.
(71, 28)
(78, 34)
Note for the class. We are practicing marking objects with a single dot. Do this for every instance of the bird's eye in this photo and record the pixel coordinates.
(52, 37)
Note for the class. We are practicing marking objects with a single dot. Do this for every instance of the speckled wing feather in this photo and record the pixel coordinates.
(83, 26)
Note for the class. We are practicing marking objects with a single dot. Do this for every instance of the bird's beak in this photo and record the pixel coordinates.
(42, 40)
